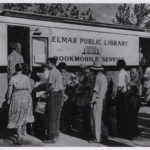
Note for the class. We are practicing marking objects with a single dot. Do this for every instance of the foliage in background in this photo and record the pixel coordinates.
(133, 14)
(60, 10)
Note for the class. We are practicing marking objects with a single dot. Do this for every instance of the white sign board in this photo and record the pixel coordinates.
(39, 55)
(77, 47)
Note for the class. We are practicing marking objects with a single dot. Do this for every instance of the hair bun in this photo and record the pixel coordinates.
(18, 67)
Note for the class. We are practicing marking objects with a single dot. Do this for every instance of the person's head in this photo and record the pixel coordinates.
(34, 76)
(13, 46)
(74, 78)
(87, 70)
(108, 75)
(25, 69)
(52, 62)
(82, 68)
(45, 67)
(147, 73)
(62, 67)
(97, 67)
(95, 71)
(140, 50)
(18, 67)
(26, 72)
(121, 64)
(133, 73)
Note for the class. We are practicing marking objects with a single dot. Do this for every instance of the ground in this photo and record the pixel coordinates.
(69, 141)
(74, 140)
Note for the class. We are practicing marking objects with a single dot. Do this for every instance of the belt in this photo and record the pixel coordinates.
(19, 90)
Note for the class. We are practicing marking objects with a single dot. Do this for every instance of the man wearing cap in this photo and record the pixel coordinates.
(99, 92)
(54, 102)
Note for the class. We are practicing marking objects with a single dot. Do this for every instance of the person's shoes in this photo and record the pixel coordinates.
(19, 141)
(94, 141)
(103, 138)
(32, 133)
(49, 141)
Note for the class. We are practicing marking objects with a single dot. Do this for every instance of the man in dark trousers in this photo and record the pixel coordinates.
(54, 101)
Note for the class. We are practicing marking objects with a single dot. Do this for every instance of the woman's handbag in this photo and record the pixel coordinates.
(40, 107)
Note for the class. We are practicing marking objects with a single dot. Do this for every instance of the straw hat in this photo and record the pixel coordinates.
(97, 65)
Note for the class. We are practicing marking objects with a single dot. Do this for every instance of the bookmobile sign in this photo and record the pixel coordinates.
(76, 47)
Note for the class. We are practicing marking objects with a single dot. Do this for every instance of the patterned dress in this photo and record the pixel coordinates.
(20, 111)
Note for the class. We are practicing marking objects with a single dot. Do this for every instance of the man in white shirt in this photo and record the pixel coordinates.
(54, 102)
(121, 108)
(99, 92)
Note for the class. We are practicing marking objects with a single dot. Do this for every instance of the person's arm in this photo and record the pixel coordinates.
(140, 89)
(95, 90)
(8, 67)
(21, 59)
(50, 87)
(29, 85)
(9, 91)
(50, 83)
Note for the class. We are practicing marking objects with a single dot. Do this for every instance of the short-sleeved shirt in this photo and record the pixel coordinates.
(13, 59)
(123, 78)
(55, 78)
(100, 85)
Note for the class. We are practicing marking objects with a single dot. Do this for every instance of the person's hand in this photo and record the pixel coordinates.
(92, 103)
(44, 95)
(8, 101)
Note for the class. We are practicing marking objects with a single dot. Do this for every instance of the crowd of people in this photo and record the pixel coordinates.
(88, 92)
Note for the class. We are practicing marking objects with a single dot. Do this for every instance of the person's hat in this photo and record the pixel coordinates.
(73, 76)
(83, 66)
(62, 65)
(97, 65)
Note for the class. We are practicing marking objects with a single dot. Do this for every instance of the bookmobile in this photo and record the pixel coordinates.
(70, 40)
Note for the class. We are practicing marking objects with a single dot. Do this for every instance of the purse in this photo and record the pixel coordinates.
(40, 107)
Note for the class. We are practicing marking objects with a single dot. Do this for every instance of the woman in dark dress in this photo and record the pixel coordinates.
(133, 103)
(107, 124)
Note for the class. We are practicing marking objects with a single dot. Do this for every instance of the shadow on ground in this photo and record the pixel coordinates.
(109, 142)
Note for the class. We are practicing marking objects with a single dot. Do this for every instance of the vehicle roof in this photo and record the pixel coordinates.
(33, 16)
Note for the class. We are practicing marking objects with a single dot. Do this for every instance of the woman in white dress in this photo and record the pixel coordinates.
(19, 97)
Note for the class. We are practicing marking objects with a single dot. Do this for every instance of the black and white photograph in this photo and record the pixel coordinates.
(74, 74)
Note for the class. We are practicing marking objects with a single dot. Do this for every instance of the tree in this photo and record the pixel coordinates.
(59, 10)
(18, 7)
(135, 15)
(123, 15)
(141, 11)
